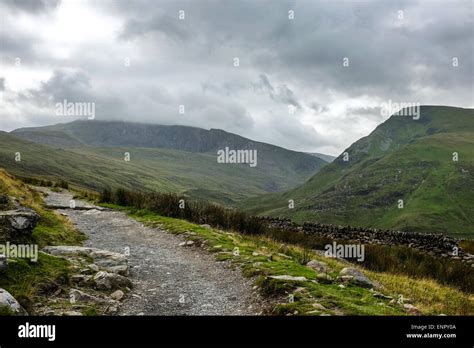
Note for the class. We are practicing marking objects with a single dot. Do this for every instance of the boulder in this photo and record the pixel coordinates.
(78, 296)
(81, 279)
(110, 281)
(10, 303)
(117, 295)
(17, 225)
(318, 266)
(355, 277)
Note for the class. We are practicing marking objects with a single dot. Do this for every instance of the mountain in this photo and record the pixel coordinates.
(402, 159)
(162, 158)
(327, 158)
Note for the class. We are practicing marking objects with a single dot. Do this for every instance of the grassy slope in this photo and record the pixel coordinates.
(31, 282)
(262, 257)
(195, 174)
(402, 159)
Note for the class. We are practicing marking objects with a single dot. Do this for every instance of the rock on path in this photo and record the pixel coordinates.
(168, 279)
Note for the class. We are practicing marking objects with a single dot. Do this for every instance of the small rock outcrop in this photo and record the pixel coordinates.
(17, 225)
(356, 277)
(117, 295)
(110, 281)
(318, 266)
(78, 296)
(105, 260)
(8, 302)
(99, 283)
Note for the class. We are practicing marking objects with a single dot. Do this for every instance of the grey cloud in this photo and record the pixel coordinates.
(32, 6)
(160, 24)
(285, 95)
(17, 45)
(281, 93)
(318, 108)
(265, 83)
(383, 54)
(283, 61)
(65, 84)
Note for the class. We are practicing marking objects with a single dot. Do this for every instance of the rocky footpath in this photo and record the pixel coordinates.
(433, 244)
(170, 275)
(99, 280)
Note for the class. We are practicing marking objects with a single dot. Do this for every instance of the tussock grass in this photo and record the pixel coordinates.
(29, 281)
(172, 205)
(430, 297)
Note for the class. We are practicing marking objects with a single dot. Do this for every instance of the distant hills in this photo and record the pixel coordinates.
(401, 176)
(181, 159)
(327, 158)
(402, 159)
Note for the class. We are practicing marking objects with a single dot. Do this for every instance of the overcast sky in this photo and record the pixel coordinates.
(79, 51)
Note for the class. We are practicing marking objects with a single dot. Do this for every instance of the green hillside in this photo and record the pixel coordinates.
(295, 167)
(403, 158)
(64, 152)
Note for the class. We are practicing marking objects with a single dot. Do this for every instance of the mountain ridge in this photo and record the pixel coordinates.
(76, 130)
(175, 159)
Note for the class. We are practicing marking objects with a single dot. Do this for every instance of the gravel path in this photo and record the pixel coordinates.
(168, 279)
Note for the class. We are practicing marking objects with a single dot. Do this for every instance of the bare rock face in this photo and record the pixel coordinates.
(17, 225)
(8, 302)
